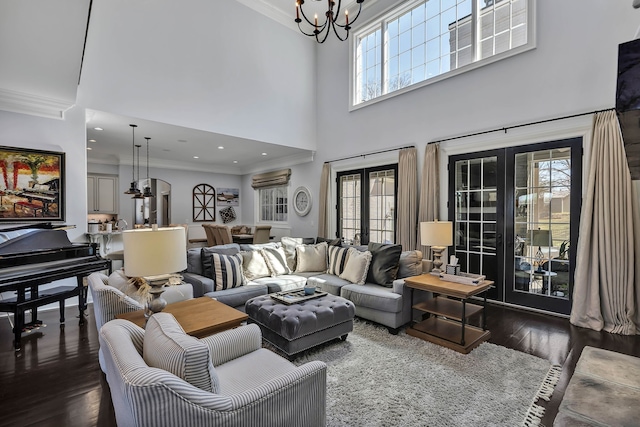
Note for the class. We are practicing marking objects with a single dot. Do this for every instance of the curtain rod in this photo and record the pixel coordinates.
(505, 129)
(370, 154)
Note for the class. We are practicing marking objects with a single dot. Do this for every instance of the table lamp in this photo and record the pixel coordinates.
(540, 238)
(438, 235)
(154, 254)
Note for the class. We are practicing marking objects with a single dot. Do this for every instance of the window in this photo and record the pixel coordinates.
(367, 205)
(426, 39)
(273, 203)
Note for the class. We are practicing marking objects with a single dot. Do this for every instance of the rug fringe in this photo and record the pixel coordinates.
(534, 414)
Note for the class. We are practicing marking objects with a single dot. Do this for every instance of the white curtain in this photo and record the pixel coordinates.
(605, 293)
(429, 191)
(323, 203)
(407, 198)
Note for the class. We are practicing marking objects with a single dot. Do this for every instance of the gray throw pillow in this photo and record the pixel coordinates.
(385, 261)
(410, 264)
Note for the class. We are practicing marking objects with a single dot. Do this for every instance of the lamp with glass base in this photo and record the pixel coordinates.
(153, 256)
(438, 235)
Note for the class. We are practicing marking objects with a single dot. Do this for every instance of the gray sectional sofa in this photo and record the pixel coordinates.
(379, 294)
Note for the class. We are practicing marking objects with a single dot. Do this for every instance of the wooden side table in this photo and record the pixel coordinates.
(447, 323)
(199, 317)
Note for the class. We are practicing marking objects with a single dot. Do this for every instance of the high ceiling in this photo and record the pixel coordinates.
(43, 44)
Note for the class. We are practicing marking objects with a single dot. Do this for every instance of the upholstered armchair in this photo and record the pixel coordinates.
(110, 299)
(237, 383)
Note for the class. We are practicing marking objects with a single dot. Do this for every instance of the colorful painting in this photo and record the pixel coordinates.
(32, 185)
(227, 197)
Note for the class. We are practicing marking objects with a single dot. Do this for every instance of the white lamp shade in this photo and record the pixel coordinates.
(149, 252)
(436, 233)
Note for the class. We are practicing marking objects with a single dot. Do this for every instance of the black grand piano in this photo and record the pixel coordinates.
(34, 255)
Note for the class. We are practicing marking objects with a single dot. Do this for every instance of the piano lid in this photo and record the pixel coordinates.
(26, 240)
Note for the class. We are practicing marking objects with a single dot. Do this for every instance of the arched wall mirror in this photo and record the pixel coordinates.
(154, 210)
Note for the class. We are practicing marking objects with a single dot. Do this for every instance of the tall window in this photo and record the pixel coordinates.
(273, 204)
(367, 205)
(425, 39)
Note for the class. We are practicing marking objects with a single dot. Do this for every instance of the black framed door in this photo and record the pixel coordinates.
(517, 213)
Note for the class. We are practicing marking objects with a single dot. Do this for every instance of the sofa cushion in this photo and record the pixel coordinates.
(226, 271)
(330, 242)
(205, 256)
(328, 283)
(311, 257)
(337, 259)
(258, 246)
(372, 296)
(285, 282)
(166, 346)
(236, 297)
(254, 266)
(276, 261)
(384, 263)
(357, 266)
(410, 264)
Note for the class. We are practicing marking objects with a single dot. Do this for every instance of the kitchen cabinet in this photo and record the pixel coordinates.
(102, 193)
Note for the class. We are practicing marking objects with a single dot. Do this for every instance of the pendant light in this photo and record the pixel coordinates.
(147, 188)
(134, 184)
(138, 195)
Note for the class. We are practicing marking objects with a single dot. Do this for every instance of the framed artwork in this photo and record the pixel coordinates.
(204, 203)
(228, 197)
(32, 187)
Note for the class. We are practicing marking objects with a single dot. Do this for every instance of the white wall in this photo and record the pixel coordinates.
(68, 136)
(217, 66)
(572, 70)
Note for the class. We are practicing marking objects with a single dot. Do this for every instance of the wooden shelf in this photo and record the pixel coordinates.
(449, 308)
(448, 334)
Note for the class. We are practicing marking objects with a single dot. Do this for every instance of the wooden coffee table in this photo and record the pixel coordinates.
(199, 317)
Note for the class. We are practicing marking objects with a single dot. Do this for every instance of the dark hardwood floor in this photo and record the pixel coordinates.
(55, 380)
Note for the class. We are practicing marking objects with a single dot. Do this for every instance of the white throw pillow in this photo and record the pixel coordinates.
(166, 346)
(355, 271)
(276, 261)
(311, 257)
(120, 281)
(289, 245)
(254, 266)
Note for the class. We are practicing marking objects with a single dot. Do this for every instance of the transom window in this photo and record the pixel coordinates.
(426, 39)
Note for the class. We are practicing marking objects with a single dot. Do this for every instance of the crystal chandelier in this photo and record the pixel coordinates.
(321, 32)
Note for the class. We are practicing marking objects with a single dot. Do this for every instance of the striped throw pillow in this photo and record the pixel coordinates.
(337, 259)
(226, 271)
(276, 260)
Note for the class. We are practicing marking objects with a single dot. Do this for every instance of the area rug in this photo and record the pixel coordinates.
(378, 379)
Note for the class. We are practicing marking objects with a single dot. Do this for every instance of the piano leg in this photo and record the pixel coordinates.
(18, 325)
(82, 297)
(61, 302)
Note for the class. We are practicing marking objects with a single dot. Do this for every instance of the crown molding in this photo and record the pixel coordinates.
(35, 105)
(287, 19)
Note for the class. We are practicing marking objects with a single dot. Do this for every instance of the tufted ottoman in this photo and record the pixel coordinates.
(298, 327)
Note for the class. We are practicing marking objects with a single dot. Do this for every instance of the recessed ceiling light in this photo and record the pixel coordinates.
(196, 157)
(264, 154)
(235, 161)
(89, 148)
(166, 149)
(182, 140)
(92, 140)
(220, 147)
(98, 129)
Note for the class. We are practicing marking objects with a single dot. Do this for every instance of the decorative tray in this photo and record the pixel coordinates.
(295, 296)
(464, 278)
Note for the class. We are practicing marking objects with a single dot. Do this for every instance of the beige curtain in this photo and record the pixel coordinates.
(323, 203)
(604, 296)
(429, 192)
(407, 198)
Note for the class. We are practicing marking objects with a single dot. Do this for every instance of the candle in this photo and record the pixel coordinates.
(346, 17)
(297, 10)
(316, 19)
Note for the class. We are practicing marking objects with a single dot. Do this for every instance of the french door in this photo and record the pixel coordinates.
(367, 205)
(516, 213)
